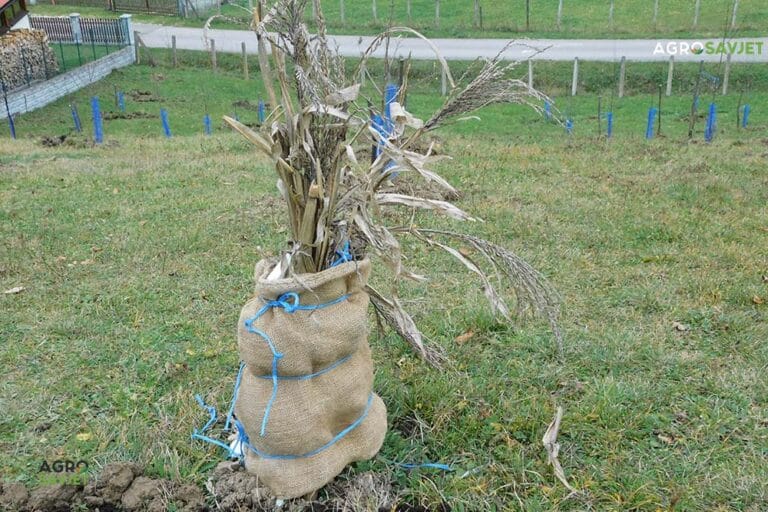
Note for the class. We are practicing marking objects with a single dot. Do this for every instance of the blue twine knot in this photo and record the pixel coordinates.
(343, 255)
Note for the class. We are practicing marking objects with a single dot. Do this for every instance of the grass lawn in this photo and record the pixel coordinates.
(136, 257)
(191, 91)
(504, 19)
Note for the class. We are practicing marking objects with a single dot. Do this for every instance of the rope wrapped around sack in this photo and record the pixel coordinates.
(282, 302)
(288, 302)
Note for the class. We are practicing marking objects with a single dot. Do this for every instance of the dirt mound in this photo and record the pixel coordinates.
(122, 488)
(119, 488)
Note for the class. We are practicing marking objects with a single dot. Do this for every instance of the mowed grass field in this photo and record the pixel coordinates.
(136, 257)
(505, 18)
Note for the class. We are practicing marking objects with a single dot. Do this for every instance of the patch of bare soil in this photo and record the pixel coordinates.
(137, 95)
(109, 116)
(122, 488)
(245, 104)
(53, 141)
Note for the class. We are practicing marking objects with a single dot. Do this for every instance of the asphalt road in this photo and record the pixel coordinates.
(608, 50)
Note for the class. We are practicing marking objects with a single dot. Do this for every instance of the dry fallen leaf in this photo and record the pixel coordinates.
(680, 327)
(463, 338)
(17, 289)
(553, 448)
(758, 300)
(84, 436)
(666, 439)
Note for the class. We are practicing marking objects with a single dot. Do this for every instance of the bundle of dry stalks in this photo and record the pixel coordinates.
(319, 136)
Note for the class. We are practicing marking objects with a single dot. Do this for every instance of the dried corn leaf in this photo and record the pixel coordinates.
(425, 204)
(553, 449)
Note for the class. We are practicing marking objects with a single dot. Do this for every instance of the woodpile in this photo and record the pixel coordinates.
(25, 56)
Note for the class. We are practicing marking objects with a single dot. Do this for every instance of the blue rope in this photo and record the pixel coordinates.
(233, 454)
(231, 411)
(429, 465)
(344, 255)
(290, 303)
(309, 375)
(243, 438)
(199, 434)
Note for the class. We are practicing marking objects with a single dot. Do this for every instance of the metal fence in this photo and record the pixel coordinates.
(74, 29)
(159, 6)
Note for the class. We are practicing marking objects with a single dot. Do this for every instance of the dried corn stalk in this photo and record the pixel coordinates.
(318, 135)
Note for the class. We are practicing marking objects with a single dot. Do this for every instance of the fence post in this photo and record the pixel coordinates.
(375, 11)
(11, 124)
(61, 51)
(622, 76)
(213, 55)
(530, 74)
(477, 13)
(126, 27)
(77, 33)
(726, 74)
(559, 14)
(527, 15)
(175, 58)
(669, 74)
(245, 60)
(408, 10)
(610, 15)
(733, 16)
(437, 13)
(93, 43)
(696, 10)
(341, 11)
(137, 50)
(443, 82)
(655, 13)
(575, 83)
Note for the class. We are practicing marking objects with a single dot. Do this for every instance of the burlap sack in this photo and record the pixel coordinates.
(308, 414)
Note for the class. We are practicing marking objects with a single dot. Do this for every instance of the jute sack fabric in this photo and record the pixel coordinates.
(303, 448)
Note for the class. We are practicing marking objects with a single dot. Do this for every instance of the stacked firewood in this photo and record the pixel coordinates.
(25, 56)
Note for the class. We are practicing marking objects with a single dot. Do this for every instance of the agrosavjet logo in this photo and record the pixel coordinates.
(710, 48)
